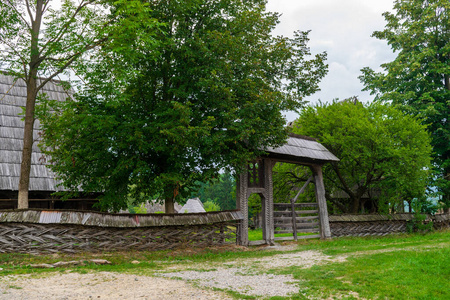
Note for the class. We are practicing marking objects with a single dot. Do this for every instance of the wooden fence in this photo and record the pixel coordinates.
(363, 225)
(49, 231)
(39, 231)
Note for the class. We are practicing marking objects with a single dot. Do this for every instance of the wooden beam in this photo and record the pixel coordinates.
(297, 205)
(325, 232)
(294, 214)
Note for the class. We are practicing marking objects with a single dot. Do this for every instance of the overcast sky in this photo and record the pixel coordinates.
(343, 29)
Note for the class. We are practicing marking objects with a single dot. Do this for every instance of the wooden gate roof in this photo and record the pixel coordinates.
(13, 94)
(301, 149)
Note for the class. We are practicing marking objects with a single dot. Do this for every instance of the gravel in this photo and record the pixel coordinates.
(245, 276)
(103, 285)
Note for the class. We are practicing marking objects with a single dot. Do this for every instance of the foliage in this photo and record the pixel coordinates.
(424, 205)
(220, 190)
(254, 210)
(288, 179)
(211, 206)
(141, 209)
(419, 223)
(207, 96)
(419, 77)
(39, 41)
(384, 154)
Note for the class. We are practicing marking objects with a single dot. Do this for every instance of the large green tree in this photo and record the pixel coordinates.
(42, 39)
(419, 77)
(384, 154)
(209, 96)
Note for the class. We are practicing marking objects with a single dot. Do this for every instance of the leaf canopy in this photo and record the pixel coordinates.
(419, 77)
(208, 95)
(384, 154)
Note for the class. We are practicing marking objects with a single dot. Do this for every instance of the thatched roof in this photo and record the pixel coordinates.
(13, 94)
(302, 149)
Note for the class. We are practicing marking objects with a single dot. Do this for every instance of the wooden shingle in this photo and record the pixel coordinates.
(12, 101)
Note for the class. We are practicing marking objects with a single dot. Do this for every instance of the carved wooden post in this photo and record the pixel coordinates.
(242, 205)
(269, 233)
(325, 232)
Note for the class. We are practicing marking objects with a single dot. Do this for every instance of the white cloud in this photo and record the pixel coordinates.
(343, 29)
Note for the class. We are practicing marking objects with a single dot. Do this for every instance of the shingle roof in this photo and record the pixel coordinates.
(299, 148)
(12, 101)
(192, 206)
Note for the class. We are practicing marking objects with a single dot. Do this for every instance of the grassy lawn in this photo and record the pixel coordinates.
(256, 234)
(392, 267)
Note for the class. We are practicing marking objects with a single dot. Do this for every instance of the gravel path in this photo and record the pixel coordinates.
(101, 285)
(245, 276)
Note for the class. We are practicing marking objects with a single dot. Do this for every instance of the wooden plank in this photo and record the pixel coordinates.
(281, 222)
(281, 213)
(288, 213)
(299, 225)
(300, 230)
(288, 205)
(304, 212)
(299, 219)
(291, 238)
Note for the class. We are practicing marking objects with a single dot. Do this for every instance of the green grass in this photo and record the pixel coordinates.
(256, 234)
(393, 267)
(410, 274)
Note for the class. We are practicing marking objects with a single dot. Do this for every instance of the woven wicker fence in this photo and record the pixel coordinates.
(363, 225)
(58, 231)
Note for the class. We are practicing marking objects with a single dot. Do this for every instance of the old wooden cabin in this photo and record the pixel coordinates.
(42, 181)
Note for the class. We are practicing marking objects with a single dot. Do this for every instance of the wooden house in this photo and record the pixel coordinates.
(192, 206)
(42, 181)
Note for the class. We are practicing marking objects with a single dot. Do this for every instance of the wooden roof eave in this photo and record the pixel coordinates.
(307, 161)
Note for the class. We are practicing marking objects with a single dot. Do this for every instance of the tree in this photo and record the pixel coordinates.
(419, 77)
(384, 154)
(39, 42)
(288, 179)
(208, 97)
(220, 190)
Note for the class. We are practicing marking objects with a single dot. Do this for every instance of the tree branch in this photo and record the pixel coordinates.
(19, 14)
(30, 13)
(70, 60)
(66, 25)
(342, 180)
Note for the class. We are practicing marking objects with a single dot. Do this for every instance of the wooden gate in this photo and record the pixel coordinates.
(296, 218)
(305, 216)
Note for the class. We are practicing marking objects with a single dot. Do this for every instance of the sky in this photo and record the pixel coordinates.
(343, 29)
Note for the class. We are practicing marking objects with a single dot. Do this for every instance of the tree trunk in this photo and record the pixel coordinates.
(31, 81)
(25, 167)
(169, 205)
(355, 205)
